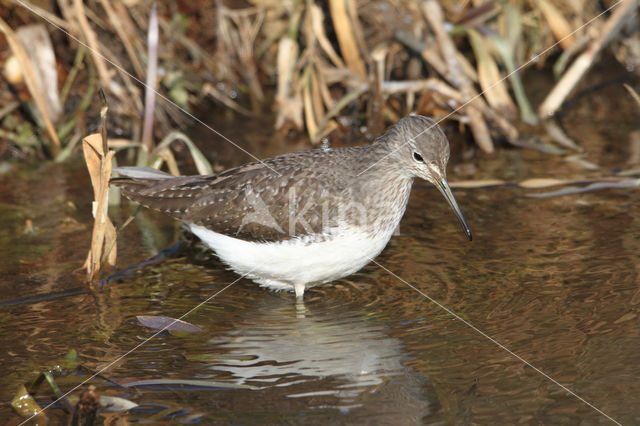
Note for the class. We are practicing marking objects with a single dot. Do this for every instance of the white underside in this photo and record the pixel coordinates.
(295, 264)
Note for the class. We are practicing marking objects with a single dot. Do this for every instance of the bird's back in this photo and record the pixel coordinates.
(272, 200)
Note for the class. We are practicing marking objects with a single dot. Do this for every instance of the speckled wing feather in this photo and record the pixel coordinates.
(273, 200)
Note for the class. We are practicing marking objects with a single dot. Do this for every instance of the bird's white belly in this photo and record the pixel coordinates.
(281, 265)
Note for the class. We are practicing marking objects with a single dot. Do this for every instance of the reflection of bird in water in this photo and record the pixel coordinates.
(306, 218)
(332, 353)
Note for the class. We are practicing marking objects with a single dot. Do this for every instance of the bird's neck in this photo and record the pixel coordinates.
(384, 190)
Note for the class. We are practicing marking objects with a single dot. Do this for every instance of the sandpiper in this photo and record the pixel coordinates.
(301, 219)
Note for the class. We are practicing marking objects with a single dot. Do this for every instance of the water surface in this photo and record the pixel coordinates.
(554, 280)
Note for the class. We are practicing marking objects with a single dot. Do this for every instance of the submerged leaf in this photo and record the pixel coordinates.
(482, 183)
(221, 357)
(166, 323)
(26, 406)
(46, 376)
(631, 183)
(541, 183)
(114, 404)
(179, 384)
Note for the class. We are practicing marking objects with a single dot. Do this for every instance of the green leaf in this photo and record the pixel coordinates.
(159, 322)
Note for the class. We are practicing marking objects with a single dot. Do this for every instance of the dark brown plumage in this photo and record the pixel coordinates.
(221, 202)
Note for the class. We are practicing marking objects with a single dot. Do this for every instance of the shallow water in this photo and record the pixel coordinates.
(553, 280)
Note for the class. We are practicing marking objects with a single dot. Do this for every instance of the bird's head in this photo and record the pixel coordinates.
(420, 146)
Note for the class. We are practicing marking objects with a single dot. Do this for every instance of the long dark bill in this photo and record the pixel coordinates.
(445, 190)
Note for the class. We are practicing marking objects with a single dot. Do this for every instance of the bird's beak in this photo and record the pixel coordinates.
(445, 190)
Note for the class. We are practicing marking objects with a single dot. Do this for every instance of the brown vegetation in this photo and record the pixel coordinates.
(383, 58)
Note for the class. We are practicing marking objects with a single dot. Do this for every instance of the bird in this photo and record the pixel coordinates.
(306, 218)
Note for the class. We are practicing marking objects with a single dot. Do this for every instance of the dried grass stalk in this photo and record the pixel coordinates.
(202, 164)
(429, 54)
(237, 32)
(343, 25)
(39, 11)
(104, 233)
(435, 17)
(352, 11)
(453, 98)
(343, 102)
(375, 123)
(327, 99)
(633, 93)
(92, 41)
(122, 25)
(43, 62)
(289, 104)
(489, 77)
(309, 113)
(317, 25)
(581, 65)
(506, 48)
(559, 25)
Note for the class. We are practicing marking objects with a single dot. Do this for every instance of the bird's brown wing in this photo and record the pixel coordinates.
(271, 201)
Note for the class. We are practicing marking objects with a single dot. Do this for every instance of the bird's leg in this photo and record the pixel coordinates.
(299, 288)
(300, 308)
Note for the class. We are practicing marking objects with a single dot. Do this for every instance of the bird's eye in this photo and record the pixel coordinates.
(418, 157)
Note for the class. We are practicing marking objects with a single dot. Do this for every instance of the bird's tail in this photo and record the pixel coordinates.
(154, 189)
